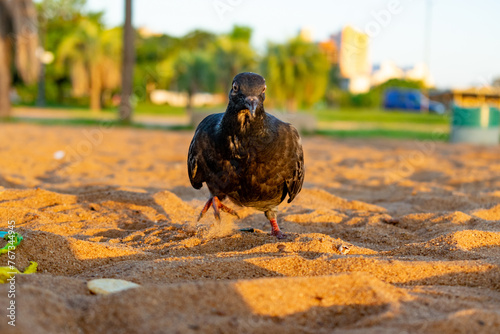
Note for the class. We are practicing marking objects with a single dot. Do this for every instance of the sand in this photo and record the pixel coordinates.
(421, 221)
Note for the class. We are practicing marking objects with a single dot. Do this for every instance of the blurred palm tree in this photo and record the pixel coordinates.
(180, 54)
(234, 54)
(204, 62)
(18, 30)
(93, 56)
(296, 72)
(195, 73)
(55, 17)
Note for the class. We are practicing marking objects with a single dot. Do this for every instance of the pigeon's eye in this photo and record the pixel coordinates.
(264, 90)
(235, 87)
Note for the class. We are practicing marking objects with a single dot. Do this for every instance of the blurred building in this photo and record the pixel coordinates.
(420, 72)
(305, 34)
(350, 49)
(387, 70)
(180, 99)
(469, 98)
(147, 33)
(354, 60)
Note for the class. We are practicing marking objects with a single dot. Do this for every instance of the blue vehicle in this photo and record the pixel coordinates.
(411, 99)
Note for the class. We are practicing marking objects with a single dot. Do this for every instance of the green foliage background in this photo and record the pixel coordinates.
(87, 64)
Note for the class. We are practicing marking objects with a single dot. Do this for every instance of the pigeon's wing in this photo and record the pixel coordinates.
(288, 157)
(294, 177)
(201, 146)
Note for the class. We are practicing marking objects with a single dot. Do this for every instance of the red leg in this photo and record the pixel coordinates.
(275, 229)
(205, 208)
(225, 208)
(217, 206)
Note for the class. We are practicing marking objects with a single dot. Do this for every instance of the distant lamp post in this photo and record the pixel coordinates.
(427, 44)
(128, 65)
(45, 58)
(428, 34)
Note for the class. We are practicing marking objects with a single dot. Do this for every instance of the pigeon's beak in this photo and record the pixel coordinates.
(251, 103)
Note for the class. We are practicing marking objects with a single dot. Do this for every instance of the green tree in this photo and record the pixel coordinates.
(93, 56)
(195, 73)
(189, 65)
(18, 30)
(155, 58)
(297, 73)
(55, 18)
(234, 54)
(173, 55)
(196, 40)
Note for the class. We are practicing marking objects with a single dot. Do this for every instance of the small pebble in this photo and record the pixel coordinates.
(106, 286)
(344, 249)
(59, 155)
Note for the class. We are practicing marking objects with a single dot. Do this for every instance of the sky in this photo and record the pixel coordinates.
(464, 38)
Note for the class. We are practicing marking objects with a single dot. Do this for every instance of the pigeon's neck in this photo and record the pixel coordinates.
(242, 123)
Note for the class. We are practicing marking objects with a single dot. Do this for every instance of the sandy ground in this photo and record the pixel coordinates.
(422, 220)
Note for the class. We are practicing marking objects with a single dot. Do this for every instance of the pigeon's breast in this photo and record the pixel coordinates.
(260, 185)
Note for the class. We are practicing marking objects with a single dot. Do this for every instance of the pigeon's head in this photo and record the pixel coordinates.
(248, 94)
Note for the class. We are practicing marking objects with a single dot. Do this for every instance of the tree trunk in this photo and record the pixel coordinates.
(5, 27)
(25, 33)
(60, 91)
(17, 21)
(128, 65)
(193, 88)
(189, 103)
(4, 79)
(95, 89)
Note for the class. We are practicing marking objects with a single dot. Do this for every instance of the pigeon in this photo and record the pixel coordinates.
(247, 155)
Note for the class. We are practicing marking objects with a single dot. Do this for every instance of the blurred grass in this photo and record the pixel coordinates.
(338, 123)
(384, 133)
(141, 108)
(94, 122)
(379, 116)
(153, 109)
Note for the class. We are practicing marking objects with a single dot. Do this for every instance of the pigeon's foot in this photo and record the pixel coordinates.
(217, 206)
(276, 230)
(278, 234)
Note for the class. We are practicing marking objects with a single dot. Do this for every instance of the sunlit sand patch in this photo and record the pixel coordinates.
(489, 214)
(457, 218)
(318, 216)
(471, 239)
(391, 271)
(131, 214)
(466, 244)
(281, 297)
(311, 245)
(320, 199)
